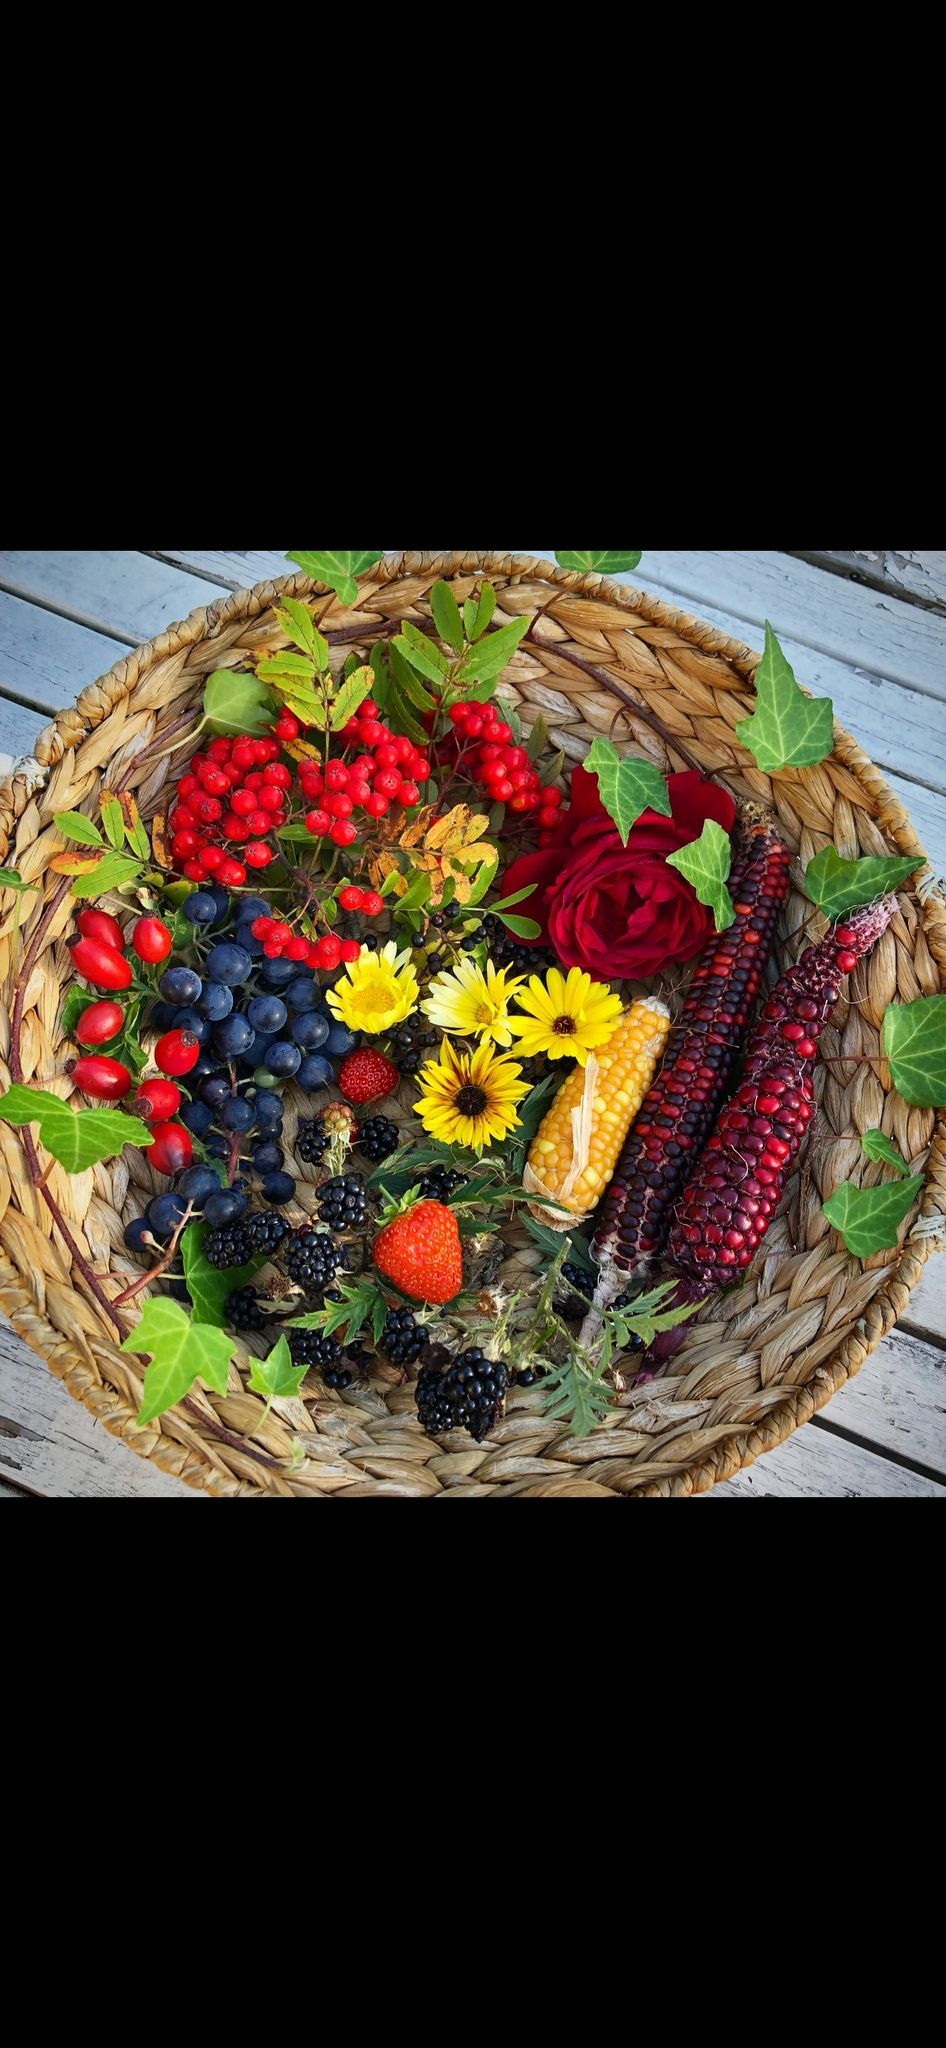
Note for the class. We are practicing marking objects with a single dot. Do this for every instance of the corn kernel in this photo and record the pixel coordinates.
(624, 1070)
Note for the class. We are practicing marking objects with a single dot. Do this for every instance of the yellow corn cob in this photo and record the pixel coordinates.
(579, 1141)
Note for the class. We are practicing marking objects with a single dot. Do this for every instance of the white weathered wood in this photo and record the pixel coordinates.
(12, 1492)
(20, 727)
(912, 574)
(51, 1444)
(897, 1402)
(237, 568)
(117, 590)
(815, 1464)
(47, 660)
(927, 1306)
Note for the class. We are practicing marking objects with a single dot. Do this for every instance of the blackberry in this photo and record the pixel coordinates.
(312, 1141)
(360, 1357)
(265, 1232)
(438, 1184)
(468, 1395)
(378, 1138)
(408, 1044)
(403, 1339)
(312, 1347)
(312, 1259)
(343, 1204)
(227, 1246)
(242, 1310)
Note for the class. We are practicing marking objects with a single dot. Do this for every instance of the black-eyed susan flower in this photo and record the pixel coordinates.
(470, 1098)
(566, 1016)
(472, 1001)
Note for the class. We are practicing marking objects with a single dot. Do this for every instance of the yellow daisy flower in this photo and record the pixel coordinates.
(567, 1017)
(470, 1098)
(471, 1003)
(380, 990)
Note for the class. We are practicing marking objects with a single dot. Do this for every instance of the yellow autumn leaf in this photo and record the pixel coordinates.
(301, 751)
(460, 830)
(76, 863)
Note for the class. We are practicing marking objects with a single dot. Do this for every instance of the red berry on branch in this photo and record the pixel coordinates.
(236, 827)
(277, 776)
(177, 1052)
(403, 747)
(376, 805)
(99, 1023)
(408, 794)
(329, 951)
(344, 833)
(98, 924)
(151, 940)
(388, 754)
(259, 855)
(387, 782)
(103, 1079)
(187, 785)
(231, 874)
(193, 870)
(210, 858)
(457, 714)
(220, 750)
(373, 903)
(102, 965)
(351, 949)
(359, 793)
(319, 822)
(336, 775)
(157, 1099)
(287, 727)
(243, 802)
(172, 1149)
(243, 755)
(339, 805)
(298, 947)
(369, 708)
(258, 823)
(370, 731)
(351, 898)
(552, 798)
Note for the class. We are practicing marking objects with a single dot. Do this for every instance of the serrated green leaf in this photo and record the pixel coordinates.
(627, 788)
(578, 1395)
(470, 609)
(839, 885)
(869, 1218)
(78, 1138)
(786, 729)
(351, 1313)
(73, 825)
(9, 879)
(299, 626)
(182, 1351)
(486, 661)
(599, 563)
(351, 694)
(446, 613)
(421, 653)
(882, 1149)
(237, 702)
(337, 567)
(114, 822)
(705, 864)
(210, 1286)
(114, 871)
(275, 1377)
(915, 1045)
(524, 927)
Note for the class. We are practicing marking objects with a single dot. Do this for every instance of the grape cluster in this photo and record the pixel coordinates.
(387, 772)
(238, 791)
(484, 744)
(468, 1395)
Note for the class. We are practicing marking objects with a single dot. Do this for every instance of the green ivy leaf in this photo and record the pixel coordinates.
(869, 1218)
(114, 871)
(338, 568)
(421, 653)
(73, 825)
(915, 1046)
(299, 626)
(705, 864)
(9, 879)
(353, 692)
(113, 820)
(209, 1286)
(447, 618)
(880, 1148)
(78, 1138)
(182, 1351)
(486, 661)
(627, 788)
(839, 885)
(786, 729)
(600, 564)
(237, 702)
(275, 1377)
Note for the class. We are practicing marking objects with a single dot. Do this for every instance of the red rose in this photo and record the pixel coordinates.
(619, 911)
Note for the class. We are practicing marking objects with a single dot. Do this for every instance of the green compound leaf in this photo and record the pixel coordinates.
(705, 864)
(113, 819)
(447, 618)
(421, 653)
(339, 568)
(78, 1138)
(352, 693)
(182, 1351)
(485, 662)
(209, 1286)
(73, 825)
(915, 1046)
(477, 614)
(627, 788)
(524, 927)
(237, 702)
(275, 1377)
(787, 729)
(577, 1396)
(114, 871)
(592, 562)
(869, 1218)
(839, 885)
(881, 1149)
(299, 626)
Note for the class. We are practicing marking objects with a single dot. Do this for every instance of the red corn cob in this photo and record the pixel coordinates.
(736, 1189)
(681, 1108)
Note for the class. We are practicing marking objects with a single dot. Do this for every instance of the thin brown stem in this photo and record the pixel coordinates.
(226, 1436)
(157, 746)
(155, 1272)
(608, 682)
(29, 961)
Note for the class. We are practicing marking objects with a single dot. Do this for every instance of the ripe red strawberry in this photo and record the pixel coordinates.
(367, 1075)
(420, 1253)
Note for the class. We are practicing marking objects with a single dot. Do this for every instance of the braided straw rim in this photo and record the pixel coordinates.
(202, 1461)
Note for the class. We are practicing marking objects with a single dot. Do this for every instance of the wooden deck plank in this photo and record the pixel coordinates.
(237, 568)
(814, 1464)
(117, 590)
(51, 1444)
(919, 575)
(46, 660)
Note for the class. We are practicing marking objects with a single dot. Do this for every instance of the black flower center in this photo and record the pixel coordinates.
(471, 1100)
(565, 1026)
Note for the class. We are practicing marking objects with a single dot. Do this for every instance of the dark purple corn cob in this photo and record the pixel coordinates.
(677, 1115)
(735, 1191)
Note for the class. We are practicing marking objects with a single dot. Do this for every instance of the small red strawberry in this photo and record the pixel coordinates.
(420, 1253)
(367, 1075)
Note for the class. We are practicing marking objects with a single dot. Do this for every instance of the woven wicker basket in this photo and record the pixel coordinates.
(771, 1354)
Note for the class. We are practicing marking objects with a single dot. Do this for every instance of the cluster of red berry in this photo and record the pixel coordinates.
(280, 942)
(238, 790)
(492, 758)
(389, 771)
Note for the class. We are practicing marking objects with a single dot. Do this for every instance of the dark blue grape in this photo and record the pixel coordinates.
(197, 1117)
(216, 1002)
(302, 994)
(340, 1039)
(162, 1017)
(269, 1108)
(267, 1014)
(237, 1114)
(205, 1064)
(226, 1206)
(221, 898)
(135, 1232)
(229, 963)
(283, 1059)
(164, 1214)
(269, 1157)
(311, 1030)
(191, 1020)
(233, 1036)
(249, 908)
(197, 1183)
(200, 908)
(243, 936)
(279, 973)
(279, 1188)
(180, 985)
(215, 1091)
(215, 1146)
(314, 1073)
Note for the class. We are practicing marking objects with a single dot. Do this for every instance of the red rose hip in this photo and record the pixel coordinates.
(101, 964)
(99, 1023)
(98, 924)
(151, 940)
(103, 1079)
(177, 1052)
(157, 1100)
(172, 1150)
